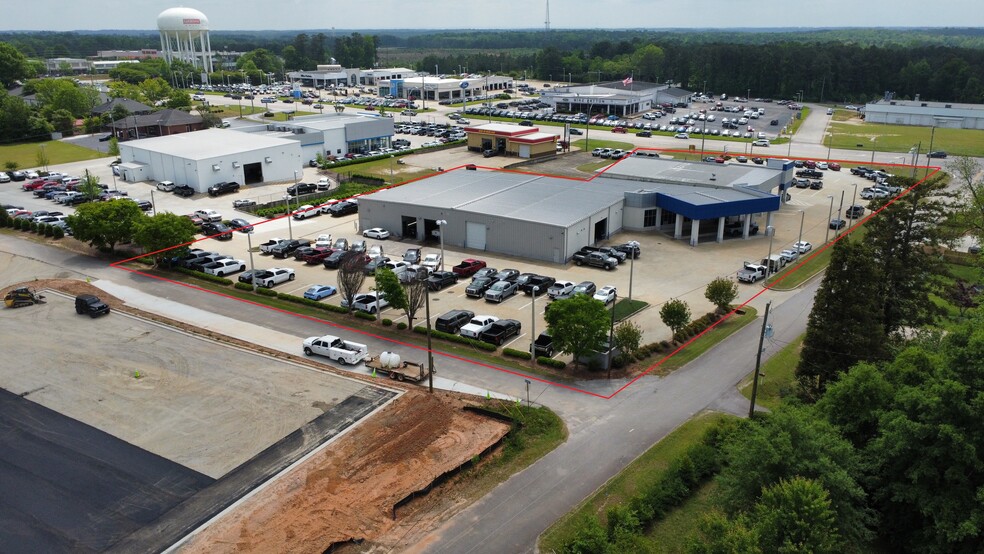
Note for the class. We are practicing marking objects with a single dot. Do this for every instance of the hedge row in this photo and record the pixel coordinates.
(681, 479)
(204, 276)
(550, 362)
(456, 338)
(512, 352)
(696, 326)
(20, 224)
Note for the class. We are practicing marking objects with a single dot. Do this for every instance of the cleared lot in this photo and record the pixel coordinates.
(200, 404)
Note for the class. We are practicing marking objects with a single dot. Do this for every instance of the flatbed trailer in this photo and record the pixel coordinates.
(400, 370)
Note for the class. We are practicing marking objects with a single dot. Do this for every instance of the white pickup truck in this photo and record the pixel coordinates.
(277, 275)
(751, 273)
(334, 348)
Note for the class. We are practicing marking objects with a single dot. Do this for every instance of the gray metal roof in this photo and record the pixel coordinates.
(209, 143)
(664, 170)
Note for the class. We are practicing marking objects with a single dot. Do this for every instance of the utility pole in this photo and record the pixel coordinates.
(758, 360)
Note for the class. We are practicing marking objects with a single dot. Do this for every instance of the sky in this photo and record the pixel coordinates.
(92, 15)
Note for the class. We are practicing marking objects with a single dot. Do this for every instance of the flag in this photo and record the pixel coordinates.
(627, 81)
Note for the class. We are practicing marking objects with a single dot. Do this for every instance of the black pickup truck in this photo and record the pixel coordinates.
(610, 251)
(543, 345)
(500, 331)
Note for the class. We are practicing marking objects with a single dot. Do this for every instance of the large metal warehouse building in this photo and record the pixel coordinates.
(925, 114)
(550, 218)
(203, 158)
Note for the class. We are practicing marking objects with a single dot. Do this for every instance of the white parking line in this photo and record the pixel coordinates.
(514, 340)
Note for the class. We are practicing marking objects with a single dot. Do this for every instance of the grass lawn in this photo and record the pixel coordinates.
(900, 138)
(643, 471)
(386, 169)
(25, 155)
(671, 533)
(708, 340)
(591, 144)
(625, 308)
(593, 166)
(777, 378)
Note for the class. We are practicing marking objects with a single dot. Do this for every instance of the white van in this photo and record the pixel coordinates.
(761, 142)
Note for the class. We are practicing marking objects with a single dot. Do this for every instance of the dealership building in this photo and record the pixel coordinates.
(331, 134)
(511, 140)
(925, 114)
(550, 218)
(615, 98)
(203, 158)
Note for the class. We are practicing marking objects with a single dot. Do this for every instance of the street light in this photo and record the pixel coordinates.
(533, 333)
(771, 231)
(840, 210)
(252, 268)
(441, 223)
(853, 200)
(422, 275)
(830, 214)
(611, 335)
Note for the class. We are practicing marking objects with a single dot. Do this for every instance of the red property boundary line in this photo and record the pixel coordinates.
(765, 288)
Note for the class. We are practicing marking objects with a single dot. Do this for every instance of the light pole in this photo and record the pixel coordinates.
(290, 226)
(252, 268)
(853, 200)
(802, 219)
(771, 231)
(441, 223)
(528, 382)
(532, 336)
(758, 359)
(840, 210)
(611, 336)
(430, 351)
(632, 257)
(391, 171)
(830, 214)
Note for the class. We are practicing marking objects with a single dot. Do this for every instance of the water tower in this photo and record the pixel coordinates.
(184, 36)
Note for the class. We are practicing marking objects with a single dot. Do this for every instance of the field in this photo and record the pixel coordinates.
(853, 134)
(26, 155)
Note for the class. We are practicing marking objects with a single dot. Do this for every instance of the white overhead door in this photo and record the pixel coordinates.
(475, 235)
(524, 150)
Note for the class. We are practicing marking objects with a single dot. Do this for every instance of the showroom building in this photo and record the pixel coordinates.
(550, 218)
(613, 98)
(511, 140)
(204, 158)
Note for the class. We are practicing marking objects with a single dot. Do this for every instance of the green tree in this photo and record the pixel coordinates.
(579, 325)
(901, 239)
(105, 224)
(114, 146)
(158, 235)
(648, 60)
(968, 213)
(155, 90)
(795, 516)
(790, 442)
(845, 325)
(926, 472)
(178, 99)
(13, 65)
(90, 186)
(64, 122)
(261, 59)
(388, 283)
(351, 277)
(721, 292)
(54, 95)
(675, 314)
(125, 89)
(41, 158)
(716, 534)
(15, 120)
(856, 402)
(11, 165)
(628, 336)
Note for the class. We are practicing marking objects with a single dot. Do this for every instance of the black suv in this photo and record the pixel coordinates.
(218, 231)
(223, 188)
(183, 190)
(91, 305)
(453, 321)
(286, 248)
(343, 208)
(302, 188)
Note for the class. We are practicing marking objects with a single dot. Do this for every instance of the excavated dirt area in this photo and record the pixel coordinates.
(347, 490)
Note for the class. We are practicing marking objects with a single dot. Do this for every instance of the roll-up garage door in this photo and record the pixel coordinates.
(524, 150)
(475, 235)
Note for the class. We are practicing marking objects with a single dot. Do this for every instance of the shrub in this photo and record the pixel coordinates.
(513, 353)
(244, 286)
(49, 230)
(456, 338)
(266, 292)
(204, 276)
(387, 321)
(550, 362)
(58, 233)
(401, 326)
(34, 227)
(367, 317)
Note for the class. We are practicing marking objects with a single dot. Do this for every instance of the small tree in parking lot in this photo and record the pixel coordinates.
(578, 325)
(389, 284)
(351, 277)
(721, 292)
(628, 336)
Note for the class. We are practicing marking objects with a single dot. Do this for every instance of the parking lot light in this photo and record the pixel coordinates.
(252, 268)
(441, 223)
(830, 213)
(532, 333)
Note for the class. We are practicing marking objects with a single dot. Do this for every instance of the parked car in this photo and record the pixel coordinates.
(431, 261)
(165, 186)
(802, 247)
(606, 294)
(183, 190)
(370, 302)
(343, 208)
(319, 292)
(335, 259)
(477, 325)
(837, 223)
(266, 246)
(287, 247)
(376, 233)
(240, 225)
(306, 211)
(854, 211)
(208, 215)
(500, 290)
(217, 231)
(541, 283)
(477, 288)
(247, 276)
(225, 267)
(302, 188)
(441, 279)
(412, 256)
(560, 289)
(223, 188)
(277, 275)
(453, 321)
(937, 154)
(500, 331)
(87, 304)
(243, 203)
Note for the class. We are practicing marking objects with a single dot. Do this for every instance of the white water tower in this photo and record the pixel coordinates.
(184, 36)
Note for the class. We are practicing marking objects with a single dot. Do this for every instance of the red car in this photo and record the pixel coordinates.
(810, 164)
(318, 255)
(834, 166)
(35, 184)
(618, 129)
(468, 267)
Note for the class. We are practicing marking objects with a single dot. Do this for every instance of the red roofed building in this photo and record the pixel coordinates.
(511, 140)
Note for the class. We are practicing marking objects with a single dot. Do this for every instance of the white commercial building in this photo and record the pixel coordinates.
(204, 158)
(616, 97)
(333, 74)
(332, 134)
(925, 114)
(429, 88)
(184, 37)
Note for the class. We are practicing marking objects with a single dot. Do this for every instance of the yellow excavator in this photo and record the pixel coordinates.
(23, 296)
